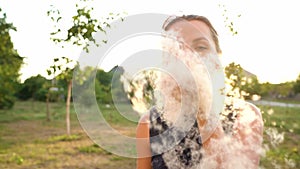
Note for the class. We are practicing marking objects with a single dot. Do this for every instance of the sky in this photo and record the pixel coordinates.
(266, 43)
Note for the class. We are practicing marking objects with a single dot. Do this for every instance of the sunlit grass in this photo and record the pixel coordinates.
(27, 140)
(94, 148)
(114, 118)
(286, 122)
(65, 137)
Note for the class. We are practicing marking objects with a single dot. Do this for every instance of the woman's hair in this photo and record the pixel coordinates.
(169, 22)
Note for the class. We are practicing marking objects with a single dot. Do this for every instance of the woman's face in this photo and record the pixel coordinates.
(196, 34)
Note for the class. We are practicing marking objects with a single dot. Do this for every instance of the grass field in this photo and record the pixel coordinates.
(281, 137)
(27, 140)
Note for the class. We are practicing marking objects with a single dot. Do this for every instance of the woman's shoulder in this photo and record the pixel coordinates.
(254, 108)
(258, 120)
(145, 121)
(240, 115)
(145, 118)
(142, 129)
(251, 118)
(253, 111)
(245, 109)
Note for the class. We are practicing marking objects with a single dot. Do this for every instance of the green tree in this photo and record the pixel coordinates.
(79, 34)
(82, 31)
(83, 28)
(103, 77)
(63, 69)
(117, 88)
(245, 85)
(296, 86)
(108, 86)
(235, 73)
(51, 93)
(252, 86)
(33, 88)
(266, 89)
(282, 90)
(103, 86)
(102, 93)
(10, 62)
(285, 89)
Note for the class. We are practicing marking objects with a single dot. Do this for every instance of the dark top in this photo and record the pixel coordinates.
(170, 146)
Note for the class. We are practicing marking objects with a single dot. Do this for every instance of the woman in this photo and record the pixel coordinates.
(234, 143)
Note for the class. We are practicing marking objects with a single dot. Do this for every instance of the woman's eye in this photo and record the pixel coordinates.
(200, 48)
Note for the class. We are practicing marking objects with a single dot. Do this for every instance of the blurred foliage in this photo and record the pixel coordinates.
(140, 89)
(65, 67)
(106, 84)
(109, 86)
(235, 72)
(33, 87)
(277, 91)
(81, 34)
(228, 19)
(246, 84)
(62, 72)
(249, 84)
(296, 86)
(102, 93)
(83, 27)
(62, 68)
(103, 77)
(10, 62)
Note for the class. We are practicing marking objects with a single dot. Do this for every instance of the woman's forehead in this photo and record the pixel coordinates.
(190, 30)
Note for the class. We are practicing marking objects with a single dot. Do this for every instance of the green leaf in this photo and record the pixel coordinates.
(59, 18)
(49, 72)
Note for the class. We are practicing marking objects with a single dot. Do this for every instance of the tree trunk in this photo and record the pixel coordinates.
(68, 107)
(48, 107)
(32, 103)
